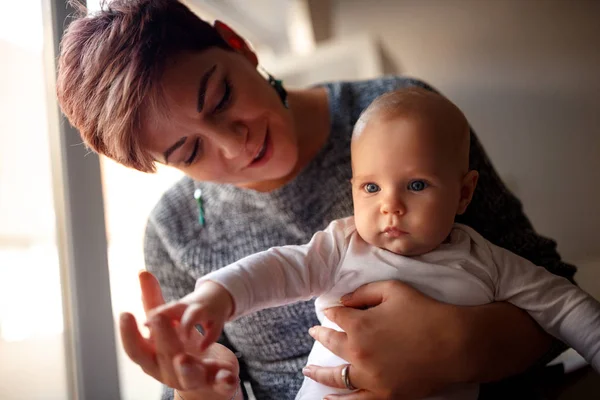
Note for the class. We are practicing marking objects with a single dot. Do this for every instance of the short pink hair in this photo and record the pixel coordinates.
(110, 66)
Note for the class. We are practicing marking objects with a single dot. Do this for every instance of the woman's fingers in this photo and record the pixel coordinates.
(212, 375)
(191, 374)
(332, 376)
(151, 293)
(328, 376)
(225, 382)
(173, 311)
(336, 342)
(366, 296)
(358, 395)
(167, 345)
(136, 346)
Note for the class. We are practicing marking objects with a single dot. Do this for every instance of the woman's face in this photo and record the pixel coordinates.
(224, 122)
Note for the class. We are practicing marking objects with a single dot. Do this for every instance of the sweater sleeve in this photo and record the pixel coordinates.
(558, 306)
(283, 275)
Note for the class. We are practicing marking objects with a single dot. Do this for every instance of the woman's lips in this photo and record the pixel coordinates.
(264, 154)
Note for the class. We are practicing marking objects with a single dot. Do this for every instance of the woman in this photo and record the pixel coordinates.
(146, 81)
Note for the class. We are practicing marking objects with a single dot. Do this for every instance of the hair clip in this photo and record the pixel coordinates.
(198, 197)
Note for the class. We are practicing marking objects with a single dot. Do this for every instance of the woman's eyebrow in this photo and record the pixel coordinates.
(171, 149)
(203, 85)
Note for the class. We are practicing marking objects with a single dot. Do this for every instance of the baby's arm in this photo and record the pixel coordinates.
(561, 308)
(278, 276)
(283, 275)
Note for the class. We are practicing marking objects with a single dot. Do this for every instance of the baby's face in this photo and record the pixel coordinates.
(406, 186)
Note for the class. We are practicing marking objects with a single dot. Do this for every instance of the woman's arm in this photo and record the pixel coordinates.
(498, 340)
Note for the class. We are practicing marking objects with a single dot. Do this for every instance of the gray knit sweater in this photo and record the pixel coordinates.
(274, 343)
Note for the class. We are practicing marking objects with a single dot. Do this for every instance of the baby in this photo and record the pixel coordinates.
(411, 177)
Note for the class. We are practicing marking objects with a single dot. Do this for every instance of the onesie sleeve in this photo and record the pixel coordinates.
(557, 305)
(283, 275)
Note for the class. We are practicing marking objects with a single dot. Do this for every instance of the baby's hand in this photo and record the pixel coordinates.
(210, 305)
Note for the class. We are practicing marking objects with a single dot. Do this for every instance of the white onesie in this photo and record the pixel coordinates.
(465, 270)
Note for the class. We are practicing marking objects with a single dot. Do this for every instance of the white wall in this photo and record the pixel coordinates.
(527, 75)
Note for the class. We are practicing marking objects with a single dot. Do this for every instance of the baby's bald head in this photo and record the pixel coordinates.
(440, 123)
(410, 170)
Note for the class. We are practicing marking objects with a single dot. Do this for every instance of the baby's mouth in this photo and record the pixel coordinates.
(393, 232)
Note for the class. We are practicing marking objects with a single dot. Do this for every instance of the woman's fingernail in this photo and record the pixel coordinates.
(224, 375)
(225, 378)
(312, 331)
(306, 371)
(346, 297)
(186, 368)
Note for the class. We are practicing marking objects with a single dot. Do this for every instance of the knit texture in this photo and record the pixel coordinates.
(274, 343)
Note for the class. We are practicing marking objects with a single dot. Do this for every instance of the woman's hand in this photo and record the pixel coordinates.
(402, 344)
(398, 349)
(212, 374)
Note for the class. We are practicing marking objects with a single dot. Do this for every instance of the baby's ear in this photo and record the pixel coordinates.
(467, 188)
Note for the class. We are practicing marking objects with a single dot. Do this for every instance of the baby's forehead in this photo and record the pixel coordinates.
(415, 103)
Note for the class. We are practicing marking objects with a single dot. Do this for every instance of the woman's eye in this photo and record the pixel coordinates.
(194, 153)
(226, 96)
(372, 188)
(417, 186)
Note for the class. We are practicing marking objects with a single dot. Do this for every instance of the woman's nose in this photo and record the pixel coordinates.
(231, 141)
(392, 204)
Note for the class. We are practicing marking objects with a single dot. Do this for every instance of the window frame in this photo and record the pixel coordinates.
(90, 345)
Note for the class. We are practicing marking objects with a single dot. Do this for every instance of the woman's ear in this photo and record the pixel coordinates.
(467, 188)
(236, 42)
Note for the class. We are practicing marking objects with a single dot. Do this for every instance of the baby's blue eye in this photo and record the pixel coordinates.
(417, 186)
(372, 188)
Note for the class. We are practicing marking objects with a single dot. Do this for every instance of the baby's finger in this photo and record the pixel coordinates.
(211, 326)
(211, 333)
(193, 315)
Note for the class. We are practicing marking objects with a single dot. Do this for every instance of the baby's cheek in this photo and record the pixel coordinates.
(366, 229)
